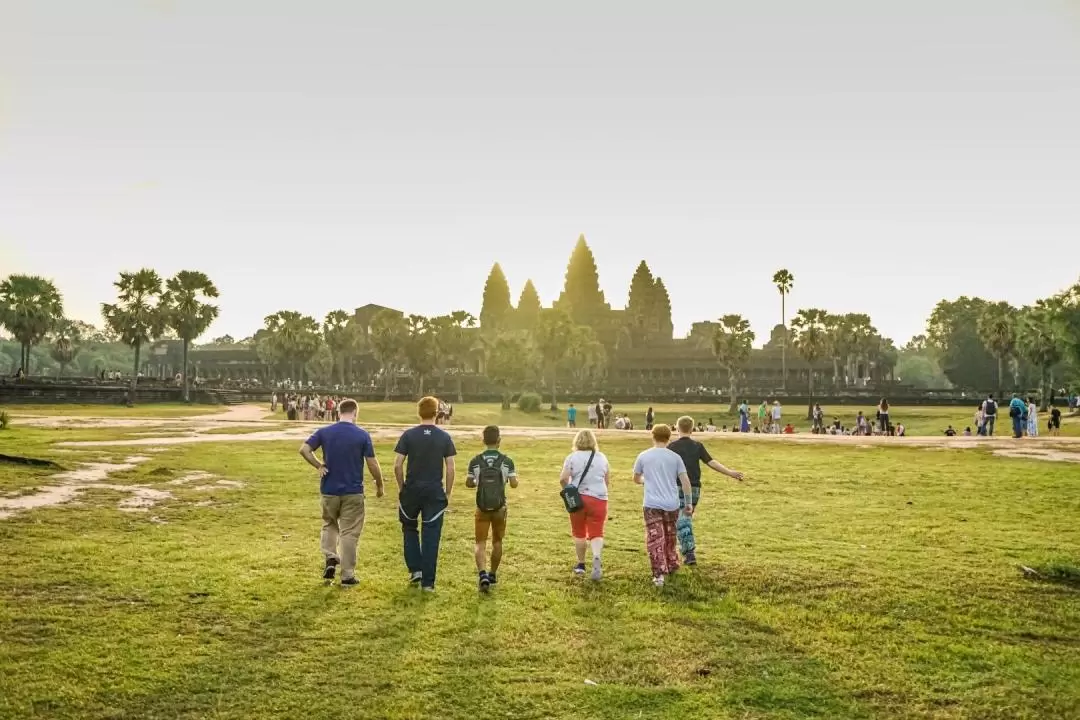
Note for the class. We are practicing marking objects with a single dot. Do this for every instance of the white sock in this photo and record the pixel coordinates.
(597, 547)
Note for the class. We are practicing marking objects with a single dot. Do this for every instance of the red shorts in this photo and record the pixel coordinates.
(588, 522)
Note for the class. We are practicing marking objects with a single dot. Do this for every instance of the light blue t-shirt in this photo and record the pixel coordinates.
(660, 468)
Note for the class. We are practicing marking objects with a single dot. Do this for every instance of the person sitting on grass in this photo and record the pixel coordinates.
(789, 429)
(423, 455)
(967, 431)
(489, 473)
(662, 471)
(346, 448)
(693, 455)
(950, 432)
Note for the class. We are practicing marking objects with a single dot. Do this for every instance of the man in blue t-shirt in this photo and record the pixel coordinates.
(422, 455)
(571, 416)
(346, 448)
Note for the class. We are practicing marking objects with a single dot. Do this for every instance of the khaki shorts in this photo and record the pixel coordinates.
(494, 521)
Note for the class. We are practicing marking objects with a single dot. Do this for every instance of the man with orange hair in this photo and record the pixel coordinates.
(424, 455)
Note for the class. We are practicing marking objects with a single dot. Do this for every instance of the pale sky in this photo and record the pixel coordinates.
(317, 155)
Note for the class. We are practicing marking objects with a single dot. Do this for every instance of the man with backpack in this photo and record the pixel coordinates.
(489, 473)
(990, 411)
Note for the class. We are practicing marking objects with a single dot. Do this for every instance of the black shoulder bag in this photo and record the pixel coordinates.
(570, 496)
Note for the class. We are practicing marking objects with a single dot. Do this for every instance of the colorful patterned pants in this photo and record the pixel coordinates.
(684, 526)
(660, 540)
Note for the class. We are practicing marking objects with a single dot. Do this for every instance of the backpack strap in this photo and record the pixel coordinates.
(586, 470)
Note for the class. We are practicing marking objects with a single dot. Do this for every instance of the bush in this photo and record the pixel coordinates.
(5, 420)
(530, 402)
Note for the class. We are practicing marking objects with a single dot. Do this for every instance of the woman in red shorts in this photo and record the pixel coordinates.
(587, 524)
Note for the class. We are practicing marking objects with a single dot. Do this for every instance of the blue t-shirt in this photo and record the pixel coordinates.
(344, 447)
(426, 447)
(571, 414)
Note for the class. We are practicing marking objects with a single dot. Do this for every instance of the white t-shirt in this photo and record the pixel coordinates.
(775, 412)
(593, 485)
(661, 468)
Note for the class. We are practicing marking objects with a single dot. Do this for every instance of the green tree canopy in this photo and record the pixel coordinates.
(30, 307)
(338, 334)
(952, 331)
(510, 364)
(389, 335)
(139, 315)
(732, 341)
(552, 337)
(188, 311)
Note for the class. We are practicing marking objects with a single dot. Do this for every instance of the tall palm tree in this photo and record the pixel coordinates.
(30, 307)
(389, 334)
(66, 344)
(784, 281)
(453, 344)
(841, 341)
(997, 329)
(1041, 341)
(339, 338)
(810, 335)
(731, 345)
(553, 335)
(421, 349)
(137, 317)
(188, 312)
(295, 338)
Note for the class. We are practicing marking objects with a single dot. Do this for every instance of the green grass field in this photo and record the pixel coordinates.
(920, 420)
(836, 582)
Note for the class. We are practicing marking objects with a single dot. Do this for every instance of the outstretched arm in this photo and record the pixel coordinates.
(724, 470)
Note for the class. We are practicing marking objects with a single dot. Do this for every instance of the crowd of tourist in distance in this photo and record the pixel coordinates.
(425, 472)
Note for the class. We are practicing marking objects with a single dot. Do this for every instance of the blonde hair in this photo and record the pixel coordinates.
(586, 440)
(686, 424)
(661, 433)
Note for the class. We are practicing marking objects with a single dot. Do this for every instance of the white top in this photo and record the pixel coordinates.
(592, 412)
(776, 412)
(660, 467)
(593, 485)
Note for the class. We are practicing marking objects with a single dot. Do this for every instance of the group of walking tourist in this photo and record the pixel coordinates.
(425, 472)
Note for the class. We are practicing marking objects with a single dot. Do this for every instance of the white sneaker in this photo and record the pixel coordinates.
(596, 572)
(658, 581)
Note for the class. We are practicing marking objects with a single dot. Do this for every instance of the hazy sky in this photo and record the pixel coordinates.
(316, 155)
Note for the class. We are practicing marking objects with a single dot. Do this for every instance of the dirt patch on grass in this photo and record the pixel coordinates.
(1036, 453)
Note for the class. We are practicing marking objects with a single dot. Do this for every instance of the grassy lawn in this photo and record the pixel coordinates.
(150, 410)
(920, 420)
(836, 582)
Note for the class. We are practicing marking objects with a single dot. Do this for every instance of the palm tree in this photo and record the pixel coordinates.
(810, 335)
(66, 344)
(338, 334)
(188, 313)
(421, 350)
(731, 345)
(998, 333)
(841, 341)
(1041, 341)
(862, 338)
(553, 336)
(295, 339)
(30, 307)
(784, 281)
(389, 333)
(510, 363)
(137, 317)
(453, 344)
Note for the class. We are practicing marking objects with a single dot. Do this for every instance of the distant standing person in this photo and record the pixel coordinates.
(346, 448)
(990, 409)
(883, 415)
(571, 416)
(424, 454)
(1054, 424)
(1017, 413)
(1032, 418)
(777, 411)
(600, 415)
(489, 473)
(587, 469)
(650, 418)
(761, 414)
(693, 455)
(662, 471)
(592, 415)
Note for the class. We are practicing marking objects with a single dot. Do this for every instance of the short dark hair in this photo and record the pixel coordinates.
(491, 435)
(347, 407)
